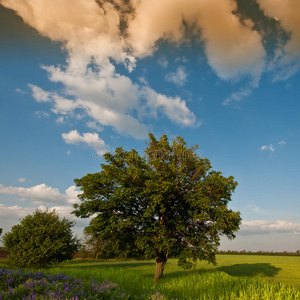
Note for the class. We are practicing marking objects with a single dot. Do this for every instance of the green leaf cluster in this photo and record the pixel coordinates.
(40, 240)
(168, 201)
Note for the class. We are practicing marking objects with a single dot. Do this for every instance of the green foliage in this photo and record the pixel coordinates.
(40, 240)
(168, 202)
(105, 244)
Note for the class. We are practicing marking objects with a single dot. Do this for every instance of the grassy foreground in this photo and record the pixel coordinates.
(235, 277)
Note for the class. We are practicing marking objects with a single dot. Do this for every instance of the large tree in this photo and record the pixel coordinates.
(167, 202)
(40, 240)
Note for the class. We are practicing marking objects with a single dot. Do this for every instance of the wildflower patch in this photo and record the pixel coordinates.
(18, 284)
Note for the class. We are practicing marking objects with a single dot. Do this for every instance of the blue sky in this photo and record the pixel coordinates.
(78, 80)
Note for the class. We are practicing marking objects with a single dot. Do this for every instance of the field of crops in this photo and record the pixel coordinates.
(235, 277)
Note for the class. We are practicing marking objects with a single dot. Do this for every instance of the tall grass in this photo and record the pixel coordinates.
(235, 277)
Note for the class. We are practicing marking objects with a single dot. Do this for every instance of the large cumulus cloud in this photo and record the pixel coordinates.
(232, 48)
(109, 32)
(104, 33)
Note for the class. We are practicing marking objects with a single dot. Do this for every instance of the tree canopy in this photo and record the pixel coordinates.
(166, 202)
(40, 240)
(105, 244)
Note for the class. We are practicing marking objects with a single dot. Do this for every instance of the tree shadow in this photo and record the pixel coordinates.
(237, 270)
(250, 270)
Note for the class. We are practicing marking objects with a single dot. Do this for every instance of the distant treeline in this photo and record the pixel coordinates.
(244, 252)
(89, 254)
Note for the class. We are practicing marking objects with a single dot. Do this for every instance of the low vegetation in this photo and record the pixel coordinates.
(235, 277)
(17, 284)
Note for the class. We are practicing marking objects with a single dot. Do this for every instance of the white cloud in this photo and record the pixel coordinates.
(179, 77)
(39, 194)
(238, 96)
(286, 12)
(108, 98)
(60, 120)
(17, 212)
(20, 91)
(71, 194)
(94, 125)
(253, 207)
(42, 194)
(39, 95)
(22, 179)
(162, 61)
(267, 147)
(14, 212)
(42, 114)
(111, 99)
(264, 226)
(271, 147)
(63, 106)
(174, 108)
(181, 59)
(91, 139)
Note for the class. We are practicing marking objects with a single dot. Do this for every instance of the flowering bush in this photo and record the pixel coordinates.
(17, 284)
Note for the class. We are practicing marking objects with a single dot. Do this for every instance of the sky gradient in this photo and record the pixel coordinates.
(82, 77)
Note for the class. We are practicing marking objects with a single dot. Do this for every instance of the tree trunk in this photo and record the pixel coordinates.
(160, 265)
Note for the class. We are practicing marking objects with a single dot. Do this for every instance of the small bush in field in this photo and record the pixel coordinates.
(40, 240)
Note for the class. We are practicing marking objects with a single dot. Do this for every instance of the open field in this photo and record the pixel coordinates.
(235, 277)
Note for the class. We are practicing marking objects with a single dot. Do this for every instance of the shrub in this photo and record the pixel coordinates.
(40, 240)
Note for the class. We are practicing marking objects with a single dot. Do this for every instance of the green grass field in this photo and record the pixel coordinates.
(234, 277)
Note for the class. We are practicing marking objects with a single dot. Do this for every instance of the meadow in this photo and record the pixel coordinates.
(234, 277)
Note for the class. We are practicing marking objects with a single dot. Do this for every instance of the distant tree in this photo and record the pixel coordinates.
(168, 202)
(102, 242)
(92, 240)
(40, 240)
(0, 231)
